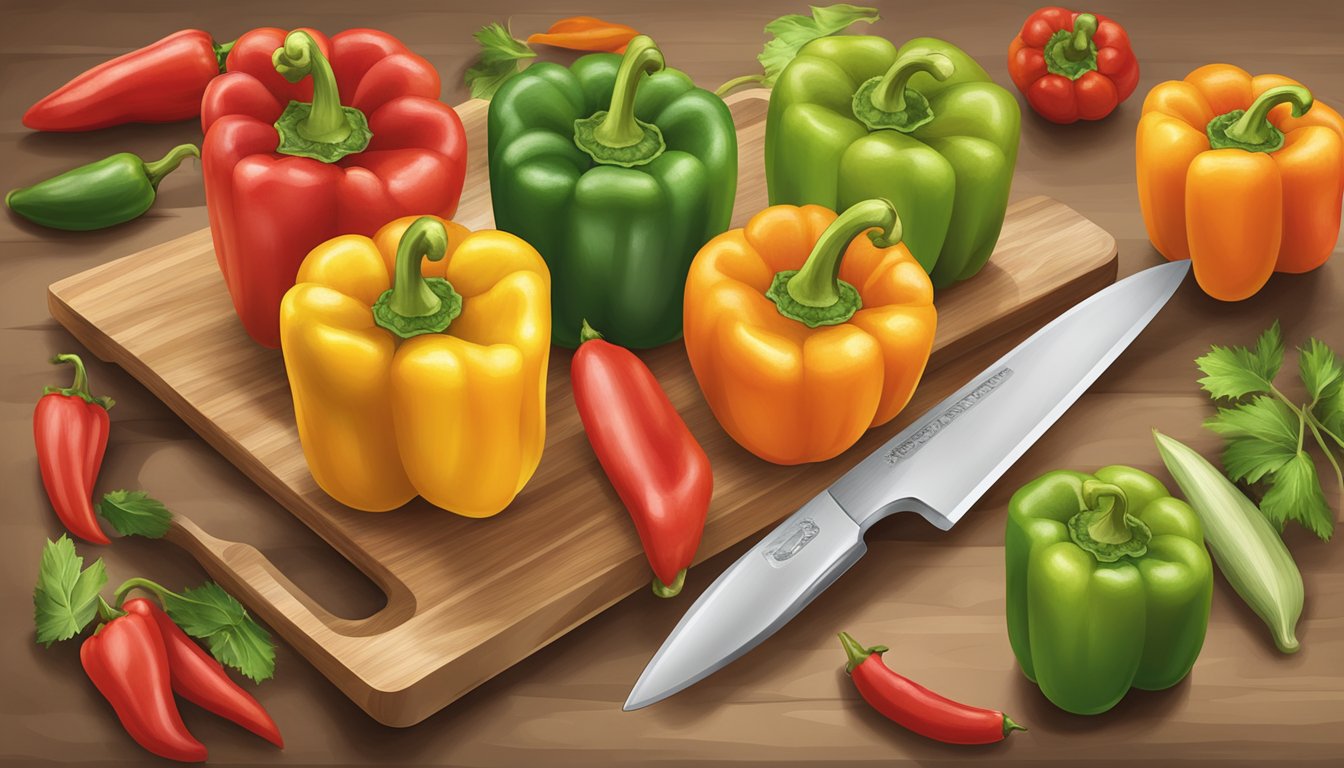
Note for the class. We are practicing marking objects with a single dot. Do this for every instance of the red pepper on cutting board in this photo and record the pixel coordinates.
(915, 707)
(126, 660)
(197, 677)
(70, 428)
(648, 453)
(160, 83)
(1071, 65)
(307, 139)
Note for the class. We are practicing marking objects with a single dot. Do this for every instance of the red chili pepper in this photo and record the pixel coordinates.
(281, 178)
(915, 707)
(1072, 66)
(125, 658)
(70, 429)
(160, 83)
(650, 456)
(200, 679)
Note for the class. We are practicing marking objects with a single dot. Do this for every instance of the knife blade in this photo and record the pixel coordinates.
(938, 467)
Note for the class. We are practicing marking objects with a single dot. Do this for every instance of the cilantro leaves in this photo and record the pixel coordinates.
(66, 597)
(1267, 434)
(135, 513)
(501, 53)
(213, 615)
(789, 33)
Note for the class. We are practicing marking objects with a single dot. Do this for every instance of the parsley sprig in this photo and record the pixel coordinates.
(1267, 432)
(788, 34)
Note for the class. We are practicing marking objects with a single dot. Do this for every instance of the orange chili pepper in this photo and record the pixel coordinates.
(1243, 175)
(585, 33)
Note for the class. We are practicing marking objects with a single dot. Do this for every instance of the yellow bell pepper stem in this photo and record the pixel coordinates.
(815, 295)
(1251, 130)
(416, 304)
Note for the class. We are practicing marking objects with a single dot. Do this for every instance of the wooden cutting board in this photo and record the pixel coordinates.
(466, 599)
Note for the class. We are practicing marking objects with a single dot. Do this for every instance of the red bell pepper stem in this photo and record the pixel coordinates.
(915, 707)
(659, 471)
(200, 679)
(70, 428)
(128, 663)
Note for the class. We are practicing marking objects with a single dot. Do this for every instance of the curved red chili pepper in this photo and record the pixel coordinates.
(70, 428)
(160, 83)
(200, 679)
(127, 662)
(650, 456)
(915, 707)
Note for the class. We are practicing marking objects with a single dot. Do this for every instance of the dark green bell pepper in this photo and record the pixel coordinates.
(853, 118)
(617, 179)
(1109, 586)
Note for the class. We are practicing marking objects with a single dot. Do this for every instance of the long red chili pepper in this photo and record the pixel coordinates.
(160, 83)
(70, 429)
(650, 456)
(200, 679)
(127, 662)
(915, 707)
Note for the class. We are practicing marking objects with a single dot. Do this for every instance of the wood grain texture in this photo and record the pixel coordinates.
(465, 600)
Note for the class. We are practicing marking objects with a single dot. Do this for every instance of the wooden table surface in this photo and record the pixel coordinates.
(919, 591)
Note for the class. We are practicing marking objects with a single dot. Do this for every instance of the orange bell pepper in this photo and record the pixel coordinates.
(1243, 175)
(802, 334)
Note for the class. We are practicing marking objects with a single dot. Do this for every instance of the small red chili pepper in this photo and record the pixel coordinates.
(126, 660)
(1071, 65)
(648, 453)
(70, 429)
(160, 83)
(200, 679)
(915, 707)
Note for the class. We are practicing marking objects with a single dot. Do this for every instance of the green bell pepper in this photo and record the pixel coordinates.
(1109, 586)
(617, 180)
(852, 118)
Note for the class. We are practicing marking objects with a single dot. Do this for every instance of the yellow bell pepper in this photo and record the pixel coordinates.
(417, 360)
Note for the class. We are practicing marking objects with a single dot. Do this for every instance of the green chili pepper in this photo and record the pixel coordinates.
(102, 194)
(1109, 586)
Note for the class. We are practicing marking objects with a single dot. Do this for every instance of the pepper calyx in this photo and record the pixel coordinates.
(323, 129)
(222, 54)
(1249, 129)
(615, 136)
(155, 170)
(1072, 53)
(669, 590)
(887, 101)
(80, 387)
(1104, 527)
(292, 142)
(415, 304)
(856, 652)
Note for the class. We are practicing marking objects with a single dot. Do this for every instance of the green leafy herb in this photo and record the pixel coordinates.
(790, 33)
(501, 53)
(1267, 433)
(234, 638)
(66, 597)
(135, 513)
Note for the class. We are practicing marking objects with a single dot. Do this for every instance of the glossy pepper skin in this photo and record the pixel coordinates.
(127, 662)
(417, 361)
(197, 677)
(1072, 66)
(853, 118)
(70, 428)
(160, 83)
(1241, 174)
(803, 335)
(1109, 586)
(617, 178)
(100, 194)
(374, 145)
(647, 452)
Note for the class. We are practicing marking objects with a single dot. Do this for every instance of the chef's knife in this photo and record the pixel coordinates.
(938, 467)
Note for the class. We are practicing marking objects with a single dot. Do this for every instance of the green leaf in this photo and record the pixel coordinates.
(792, 32)
(1250, 459)
(66, 597)
(234, 638)
(1234, 372)
(1321, 369)
(1295, 494)
(135, 513)
(500, 54)
(1263, 418)
(1330, 412)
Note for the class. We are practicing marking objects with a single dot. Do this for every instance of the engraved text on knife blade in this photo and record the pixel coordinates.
(936, 424)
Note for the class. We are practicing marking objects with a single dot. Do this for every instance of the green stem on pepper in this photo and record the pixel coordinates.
(1073, 53)
(887, 101)
(856, 652)
(416, 304)
(222, 54)
(616, 136)
(738, 82)
(80, 387)
(1250, 130)
(815, 295)
(1104, 527)
(322, 129)
(157, 169)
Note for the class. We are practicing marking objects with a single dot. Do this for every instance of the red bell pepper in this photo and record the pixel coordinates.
(1072, 66)
(160, 83)
(70, 428)
(648, 453)
(392, 150)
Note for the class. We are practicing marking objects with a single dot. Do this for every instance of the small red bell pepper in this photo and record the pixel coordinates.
(1072, 66)
(70, 428)
(160, 83)
(648, 453)
(307, 139)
